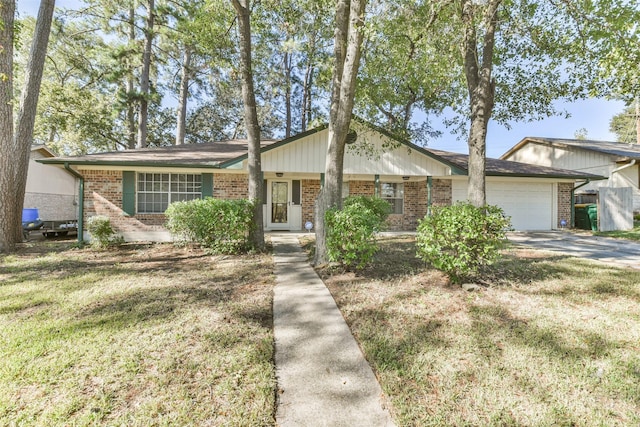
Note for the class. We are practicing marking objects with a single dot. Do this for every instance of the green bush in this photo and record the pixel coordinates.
(102, 234)
(350, 231)
(459, 239)
(220, 226)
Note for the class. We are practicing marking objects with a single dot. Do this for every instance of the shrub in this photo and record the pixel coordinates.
(220, 226)
(350, 231)
(102, 234)
(459, 239)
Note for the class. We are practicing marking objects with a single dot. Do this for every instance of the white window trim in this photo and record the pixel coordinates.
(196, 194)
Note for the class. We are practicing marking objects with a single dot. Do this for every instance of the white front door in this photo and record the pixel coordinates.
(279, 198)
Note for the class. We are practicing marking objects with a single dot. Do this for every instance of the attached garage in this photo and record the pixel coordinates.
(531, 205)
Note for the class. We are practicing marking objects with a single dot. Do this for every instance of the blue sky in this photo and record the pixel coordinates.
(593, 114)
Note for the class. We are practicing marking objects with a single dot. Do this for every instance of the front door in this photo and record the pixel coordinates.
(279, 209)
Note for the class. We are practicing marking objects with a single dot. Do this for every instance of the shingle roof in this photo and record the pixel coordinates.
(221, 154)
(210, 154)
(619, 150)
(497, 167)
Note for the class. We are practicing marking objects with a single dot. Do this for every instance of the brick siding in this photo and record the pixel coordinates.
(310, 191)
(441, 192)
(103, 196)
(564, 202)
(230, 186)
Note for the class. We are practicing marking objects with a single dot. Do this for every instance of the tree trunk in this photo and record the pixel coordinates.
(131, 109)
(17, 156)
(481, 89)
(9, 219)
(184, 94)
(287, 60)
(348, 41)
(305, 117)
(251, 121)
(638, 120)
(143, 114)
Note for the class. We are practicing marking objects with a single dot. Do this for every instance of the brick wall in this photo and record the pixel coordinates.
(230, 186)
(441, 193)
(103, 196)
(310, 190)
(362, 188)
(53, 206)
(415, 201)
(564, 202)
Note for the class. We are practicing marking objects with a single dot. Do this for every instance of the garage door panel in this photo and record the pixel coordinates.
(530, 205)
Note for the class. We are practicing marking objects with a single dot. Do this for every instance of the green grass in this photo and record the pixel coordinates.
(142, 335)
(633, 234)
(550, 341)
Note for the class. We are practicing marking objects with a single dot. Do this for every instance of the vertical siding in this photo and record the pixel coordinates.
(309, 155)
(564, 158)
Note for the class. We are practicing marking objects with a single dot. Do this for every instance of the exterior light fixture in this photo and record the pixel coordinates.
(405, 178)
(279, 174)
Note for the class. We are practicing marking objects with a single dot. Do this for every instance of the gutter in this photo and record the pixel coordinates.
(573, 202)
(628, 165)
(80, 202)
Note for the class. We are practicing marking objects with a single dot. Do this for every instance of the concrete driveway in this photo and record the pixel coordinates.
(619, 252)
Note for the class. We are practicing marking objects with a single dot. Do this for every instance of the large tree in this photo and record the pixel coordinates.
(9, 216)
(626, 125)
(408, 67)
(350, 17)
(15, 148)
(478, 65)
(242, 8)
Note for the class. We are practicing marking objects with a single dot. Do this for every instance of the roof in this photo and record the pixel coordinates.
(209, 154)
(42, 149)
(498, 167)
(226, 153)
(619, 150)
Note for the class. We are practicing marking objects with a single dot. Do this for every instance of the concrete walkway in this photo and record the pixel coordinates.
(323, 378)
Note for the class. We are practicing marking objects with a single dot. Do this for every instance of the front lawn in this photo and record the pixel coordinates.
(141, 335)
(552, 340)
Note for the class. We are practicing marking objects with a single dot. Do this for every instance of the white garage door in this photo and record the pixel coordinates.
(530, 205)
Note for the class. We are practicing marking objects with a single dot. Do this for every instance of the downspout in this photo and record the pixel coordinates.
(573, 202)
(429, 194)
(80, 202)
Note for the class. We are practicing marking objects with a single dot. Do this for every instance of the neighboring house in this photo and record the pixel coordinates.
(618, 162)
(135, 187)
(51, 190)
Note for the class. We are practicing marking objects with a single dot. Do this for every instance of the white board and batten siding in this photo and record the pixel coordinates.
(308, 155)
(531, 205)
(571, 158)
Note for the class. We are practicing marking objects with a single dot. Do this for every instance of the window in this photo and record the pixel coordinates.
(394, 194)
(157, 190)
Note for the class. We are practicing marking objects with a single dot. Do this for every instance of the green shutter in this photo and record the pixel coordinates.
(129, 192)
(264, 191)
(376, 183)
(295, 192)
(207, 185)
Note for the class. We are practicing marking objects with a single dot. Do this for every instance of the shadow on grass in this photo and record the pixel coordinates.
(492, 324)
